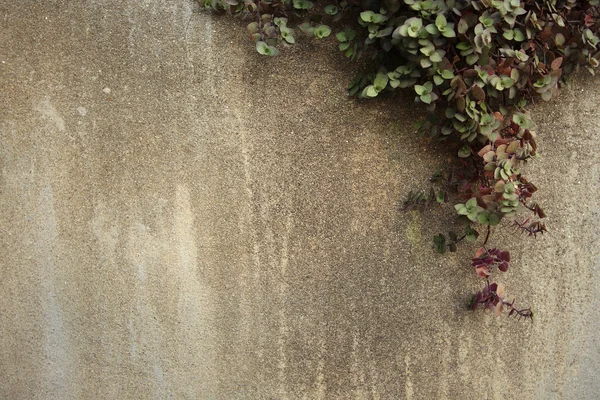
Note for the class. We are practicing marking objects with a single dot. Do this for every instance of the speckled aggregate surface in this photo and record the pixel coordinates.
(181, 218)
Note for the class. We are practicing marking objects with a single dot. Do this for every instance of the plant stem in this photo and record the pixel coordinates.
(487, 235)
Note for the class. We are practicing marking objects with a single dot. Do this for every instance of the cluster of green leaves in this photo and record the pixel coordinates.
(442, 245)
(269, 26)
(474, 64)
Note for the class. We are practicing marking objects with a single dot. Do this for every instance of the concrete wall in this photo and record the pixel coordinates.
(181, 218)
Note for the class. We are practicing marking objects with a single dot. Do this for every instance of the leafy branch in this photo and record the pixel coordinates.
(476, 65)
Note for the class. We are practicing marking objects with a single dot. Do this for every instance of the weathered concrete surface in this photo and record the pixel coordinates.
(181, 218)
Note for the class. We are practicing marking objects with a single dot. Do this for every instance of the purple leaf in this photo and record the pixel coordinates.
(504, 256)
(483, 271)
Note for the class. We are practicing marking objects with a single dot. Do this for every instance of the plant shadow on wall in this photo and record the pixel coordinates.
(476, 66)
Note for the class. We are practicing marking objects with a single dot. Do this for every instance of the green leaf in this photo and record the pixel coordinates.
(385, 32)
(436, 57)
(519, 35)
(472, 216)
(420, 90)
(449, 32)
(494, 219)
(303, 4)
(380, 82)
(280, 21)
(431, 28)
(519, 119)
(507, 82)
(483, 219)
(521, 56)
(372, 91)
(428, 47)
(416, 23)
(367, 16)
(426, 98)
(377, 18)
(341, 36)
(461, 209)
(344, 46)
(440, 197)
(464, 152)
(471, 234)
(265, 49)
(447, 74)
(460, 117)
(463, 26)
(510, 19)
(472, 59)
(322, 31)
(288, 37)
(331, 9)
(463, 46)
(253, 27)
(439, 243)
(440, 21)
(425, 62)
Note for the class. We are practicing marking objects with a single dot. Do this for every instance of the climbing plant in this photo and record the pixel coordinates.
(476, 66)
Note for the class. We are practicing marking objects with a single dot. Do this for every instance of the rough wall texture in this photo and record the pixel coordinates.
(181, 218)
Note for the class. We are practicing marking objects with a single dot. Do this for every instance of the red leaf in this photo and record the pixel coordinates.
(546, 33)
(484, 150)
(538, 210)
(503, 266)
(479, 252)
(504, 256)
(556, 63)
(483, 271)
(487, 260)
(478, 93)
(499, 308)
(500, 141)
(500, 290)
(504, 68)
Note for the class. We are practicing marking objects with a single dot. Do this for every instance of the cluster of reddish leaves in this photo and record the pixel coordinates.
(493, 297)
(486, 260)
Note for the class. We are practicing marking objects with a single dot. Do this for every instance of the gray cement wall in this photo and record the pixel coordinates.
(181, 218)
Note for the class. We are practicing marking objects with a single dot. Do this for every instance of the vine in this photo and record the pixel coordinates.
(476, 66)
